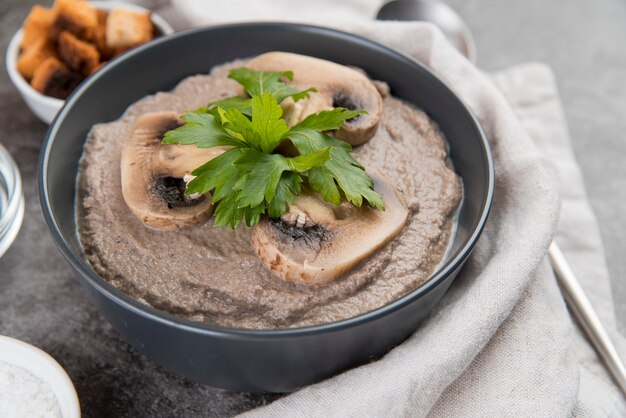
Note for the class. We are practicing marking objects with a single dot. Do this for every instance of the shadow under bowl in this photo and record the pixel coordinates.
(241, 359)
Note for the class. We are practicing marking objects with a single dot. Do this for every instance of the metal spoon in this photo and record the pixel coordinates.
(450, 23)
(583, 311)
(458, 33)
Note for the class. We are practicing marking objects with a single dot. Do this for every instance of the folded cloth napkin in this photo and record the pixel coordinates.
(501, 342)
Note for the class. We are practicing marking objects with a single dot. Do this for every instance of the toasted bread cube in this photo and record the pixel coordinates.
(75, 16)
(100, 38)
(31, 58)
(53, 78)
(80, 56)
(128, 28)
(102, 17)
(100, 65)
(37, 25)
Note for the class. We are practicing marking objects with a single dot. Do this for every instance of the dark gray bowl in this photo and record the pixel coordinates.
(249, 360)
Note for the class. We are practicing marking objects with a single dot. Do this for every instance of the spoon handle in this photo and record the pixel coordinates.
(585, 314)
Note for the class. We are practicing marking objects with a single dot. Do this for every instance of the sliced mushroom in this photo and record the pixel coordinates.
(154, 175)
(316, 242)
(337, 85)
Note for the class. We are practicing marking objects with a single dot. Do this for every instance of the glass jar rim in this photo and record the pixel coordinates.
(12, 212)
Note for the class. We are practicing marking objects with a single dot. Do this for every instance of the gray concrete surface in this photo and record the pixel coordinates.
(42, 303)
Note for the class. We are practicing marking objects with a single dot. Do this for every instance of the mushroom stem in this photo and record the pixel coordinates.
(181, 160)
(154, 175)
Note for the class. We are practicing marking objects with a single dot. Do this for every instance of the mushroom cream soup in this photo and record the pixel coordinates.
(318, 263)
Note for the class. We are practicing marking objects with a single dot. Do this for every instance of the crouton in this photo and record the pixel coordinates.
(75, 16)
(37, 25)
(31, 58)
(102, 17)
(66, 43)
(54, 79)
(100, 65)
(100, 41)
(79, 55)
(106, 53)
(126, 29)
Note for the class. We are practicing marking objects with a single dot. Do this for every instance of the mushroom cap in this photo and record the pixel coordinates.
(337, 86)
(317, 242)
(153, 173)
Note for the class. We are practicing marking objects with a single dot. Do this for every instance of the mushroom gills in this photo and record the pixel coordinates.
(172, 189)
(154, 175)
(337, 86)
(316, 242)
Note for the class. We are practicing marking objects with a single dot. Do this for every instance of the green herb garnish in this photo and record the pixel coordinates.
(251, 179)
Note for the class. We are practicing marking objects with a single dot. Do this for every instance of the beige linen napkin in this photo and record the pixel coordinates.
(501, 342)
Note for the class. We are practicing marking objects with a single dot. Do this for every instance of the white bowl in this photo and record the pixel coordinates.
(41, 365)
(46, 107)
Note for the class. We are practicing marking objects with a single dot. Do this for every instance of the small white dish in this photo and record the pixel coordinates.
(41, 365)
(46, 107)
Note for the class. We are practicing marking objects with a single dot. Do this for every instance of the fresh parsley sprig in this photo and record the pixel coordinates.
(251, 179)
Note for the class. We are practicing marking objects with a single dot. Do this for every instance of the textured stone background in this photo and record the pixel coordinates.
(42, 303)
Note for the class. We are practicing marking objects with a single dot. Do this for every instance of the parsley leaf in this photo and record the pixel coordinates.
(202, 130)
(263, 172)
(268, 122)
(288, 187)
(228, 213)
(261, 175)
(342, 169)
(255, 83)
(262, 130)
(237, 125)
(329, 120)
(245, 181)
(251, 179)
(219, 174)
(306, 162)
(239, 103)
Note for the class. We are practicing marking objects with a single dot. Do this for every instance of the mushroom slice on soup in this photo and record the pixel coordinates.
(337, 86)
(316, 242)
(154, 175)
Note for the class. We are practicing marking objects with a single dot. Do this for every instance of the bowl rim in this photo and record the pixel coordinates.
(52, 366)
(13, 51)
(165, 318)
